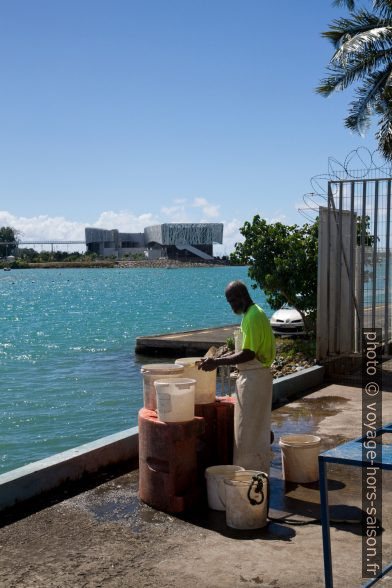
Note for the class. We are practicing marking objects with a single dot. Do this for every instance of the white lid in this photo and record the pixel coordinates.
(299, 440)
(177, 384)
(222, 470)
(164, 369)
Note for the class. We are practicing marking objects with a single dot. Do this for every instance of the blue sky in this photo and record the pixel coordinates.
(123, 113)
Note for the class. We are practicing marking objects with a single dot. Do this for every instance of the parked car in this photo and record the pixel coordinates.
(287, 321)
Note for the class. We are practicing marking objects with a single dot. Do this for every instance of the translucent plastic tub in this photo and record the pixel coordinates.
(300, 458)
(241, 513)
(175, 399)
(153, 372)
(205, 391)
(215, 478)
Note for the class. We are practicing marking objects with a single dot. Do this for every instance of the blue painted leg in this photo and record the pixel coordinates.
(325, 524)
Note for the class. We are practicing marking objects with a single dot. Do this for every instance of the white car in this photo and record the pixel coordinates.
(287, 321)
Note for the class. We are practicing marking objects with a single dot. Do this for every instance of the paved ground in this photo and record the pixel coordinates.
(106, 537)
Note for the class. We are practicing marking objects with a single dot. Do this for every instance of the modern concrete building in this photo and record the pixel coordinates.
(169, 240)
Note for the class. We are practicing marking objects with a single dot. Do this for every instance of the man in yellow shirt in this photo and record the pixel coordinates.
(252, 415)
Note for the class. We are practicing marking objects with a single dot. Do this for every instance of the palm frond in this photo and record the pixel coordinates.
(349, 3)
(364, 64)
(342, 29)
(378, 39)
(367, 96)
(383, 7)
(384, 134)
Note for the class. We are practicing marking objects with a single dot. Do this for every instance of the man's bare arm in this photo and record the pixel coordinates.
(211, 363)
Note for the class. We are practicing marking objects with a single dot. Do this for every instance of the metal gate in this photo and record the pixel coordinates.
(354, 274)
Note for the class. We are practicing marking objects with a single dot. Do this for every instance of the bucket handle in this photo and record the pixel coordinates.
(258, 484)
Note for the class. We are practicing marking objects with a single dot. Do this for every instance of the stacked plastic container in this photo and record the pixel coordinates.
(168, 433)
(183, 428)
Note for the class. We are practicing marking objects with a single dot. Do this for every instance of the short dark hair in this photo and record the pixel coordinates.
(239, 287)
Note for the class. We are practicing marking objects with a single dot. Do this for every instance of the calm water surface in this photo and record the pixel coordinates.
(68, 372)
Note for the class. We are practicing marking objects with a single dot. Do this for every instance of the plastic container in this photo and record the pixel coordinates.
(215, 477)
(153, 372)
(240, 512)
(300, 458)
(205, 381)
(175, 399)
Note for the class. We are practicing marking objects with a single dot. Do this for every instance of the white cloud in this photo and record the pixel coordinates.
(231, 236)
(175, 214)
(44, 227)
(125, 221)
(200, 202)
(210, 210)
(277, 218)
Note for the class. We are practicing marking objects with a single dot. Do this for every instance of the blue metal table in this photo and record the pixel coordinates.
(349, 453)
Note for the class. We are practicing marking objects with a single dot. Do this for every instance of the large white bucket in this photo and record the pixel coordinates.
(157, 371)
(240, 512)
(215, 478)
(300, 458)
(205, 392)
(175, 399)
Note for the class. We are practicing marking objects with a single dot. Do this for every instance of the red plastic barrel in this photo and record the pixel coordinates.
(168, 477)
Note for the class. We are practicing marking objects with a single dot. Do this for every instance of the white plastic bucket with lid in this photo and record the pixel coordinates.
(300, 458)
(205, 391)
(241, 513)
(175, 399)
(157, 371)
(215, 477)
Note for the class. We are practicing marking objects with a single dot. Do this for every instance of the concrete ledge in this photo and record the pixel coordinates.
(293, 384)
(41, 476)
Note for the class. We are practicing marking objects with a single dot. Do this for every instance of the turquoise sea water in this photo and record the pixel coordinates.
(68, 372)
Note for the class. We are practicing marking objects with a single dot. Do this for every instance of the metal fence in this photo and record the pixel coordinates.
(354, 285)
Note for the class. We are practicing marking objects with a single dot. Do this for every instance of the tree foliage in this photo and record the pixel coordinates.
(363, 57)
(8, 241)
(283, 263)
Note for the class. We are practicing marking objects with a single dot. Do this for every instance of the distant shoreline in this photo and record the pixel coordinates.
(124, 264)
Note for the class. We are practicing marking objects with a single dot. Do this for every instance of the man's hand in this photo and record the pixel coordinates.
(207, 365)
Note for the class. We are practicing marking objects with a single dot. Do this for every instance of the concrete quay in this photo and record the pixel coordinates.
(106, 537)
(185, 343)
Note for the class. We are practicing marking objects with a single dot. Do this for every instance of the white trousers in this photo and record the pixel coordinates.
(252, 417)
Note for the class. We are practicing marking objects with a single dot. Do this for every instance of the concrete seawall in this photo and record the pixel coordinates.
(47, 474)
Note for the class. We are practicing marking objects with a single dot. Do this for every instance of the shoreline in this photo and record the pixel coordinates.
(123, 264)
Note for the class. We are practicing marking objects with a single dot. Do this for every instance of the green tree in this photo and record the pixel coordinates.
(8, 241)
(283, 263)
(28, 254)
(363, 58)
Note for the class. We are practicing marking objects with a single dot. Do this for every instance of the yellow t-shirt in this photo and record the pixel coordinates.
(257, 335)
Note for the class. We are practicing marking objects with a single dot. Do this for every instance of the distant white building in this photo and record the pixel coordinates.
(168, 240)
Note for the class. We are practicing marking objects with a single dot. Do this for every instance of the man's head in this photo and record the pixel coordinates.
(237, 296)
